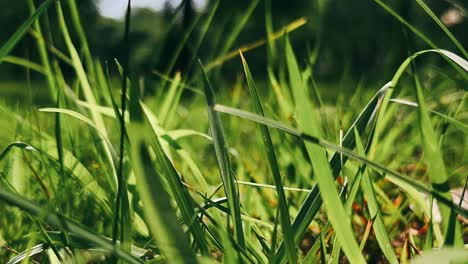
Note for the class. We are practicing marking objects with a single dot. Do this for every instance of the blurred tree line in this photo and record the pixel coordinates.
(356, 37)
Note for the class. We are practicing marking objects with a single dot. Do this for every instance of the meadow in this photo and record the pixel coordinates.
(96, 167)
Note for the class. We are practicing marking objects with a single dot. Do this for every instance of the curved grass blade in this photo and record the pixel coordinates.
(17, 144)
(230, 187)
(270, 152)
(8, 46)
(324, 175)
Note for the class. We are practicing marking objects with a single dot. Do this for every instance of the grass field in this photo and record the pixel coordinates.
(266, 169)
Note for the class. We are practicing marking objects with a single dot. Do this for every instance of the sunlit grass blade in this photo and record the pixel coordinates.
(43, 54)
(270, 152)
(230, 187)
(374, 209)
(8, 46)
(64, 223)
(308, 120)
(76, 21)
(171, 100)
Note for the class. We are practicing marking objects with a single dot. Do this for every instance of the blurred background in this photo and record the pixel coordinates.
(356, 39)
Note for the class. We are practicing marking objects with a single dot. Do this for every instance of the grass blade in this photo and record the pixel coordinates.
(230, 187)
(374, 210)
(177, 189)
(436, 166)
(447, 32)
(324, 176)
(88, 94)
(8, 46)
(270, 152)
(159, 214)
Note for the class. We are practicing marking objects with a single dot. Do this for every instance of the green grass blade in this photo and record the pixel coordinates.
(374, 210)
(414, 30)
(160, 216)
(8, 46)
(122, 208)
(324, 176)
(75, 19)
(436, 166)
(88, 94)
(270, 152)
(43, 54)
(178, 190)
(426, 8)
(230, 187)
(25, 63)
(231, 38)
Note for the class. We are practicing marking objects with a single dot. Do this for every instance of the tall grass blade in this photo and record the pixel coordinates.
(230, 187)
(88, 94)
(436, 166)
(159, 214)
(270, 152)
(324, 176)
(177, 189)
(122, 208)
